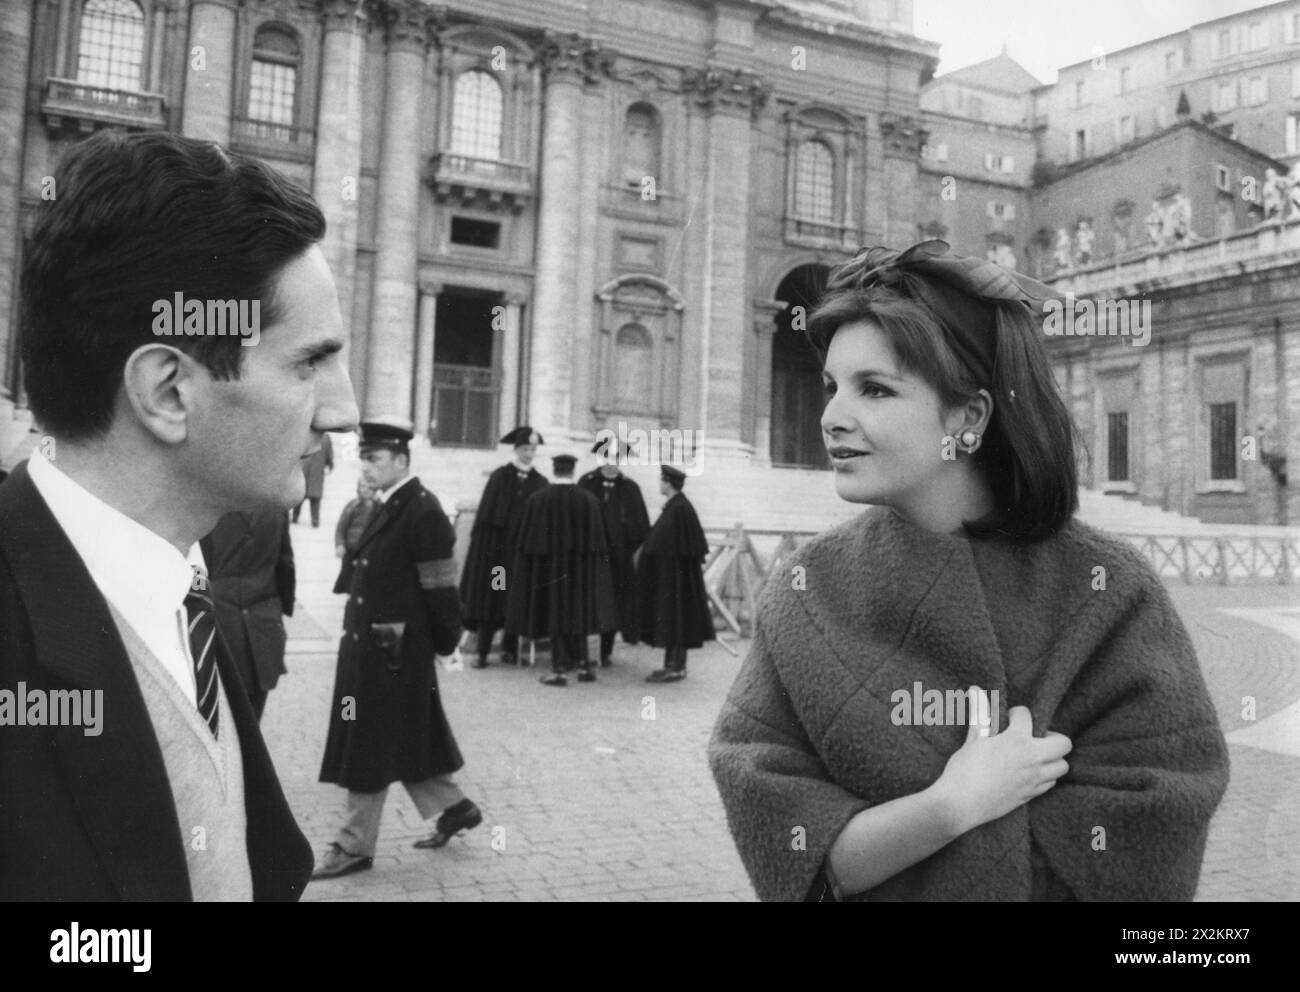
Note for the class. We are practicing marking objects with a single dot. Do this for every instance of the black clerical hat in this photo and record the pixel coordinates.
(563, 463)
(674, 475)
(611, 444)
(388, 433)
(522, 435)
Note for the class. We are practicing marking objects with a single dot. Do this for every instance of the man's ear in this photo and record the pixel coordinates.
(157, 387)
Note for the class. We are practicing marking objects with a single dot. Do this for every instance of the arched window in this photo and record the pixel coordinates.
(273, 82)
(814, 192)
(640, 143)
(110, 49)
(476, 115)
(632, 347)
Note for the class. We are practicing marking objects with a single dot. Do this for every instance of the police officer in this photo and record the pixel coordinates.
(387, 724)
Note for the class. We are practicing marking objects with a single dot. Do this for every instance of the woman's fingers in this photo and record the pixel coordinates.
(1020, 721)
(1056, 768)
(978, 701)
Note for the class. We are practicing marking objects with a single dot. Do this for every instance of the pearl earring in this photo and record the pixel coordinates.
(970, 440)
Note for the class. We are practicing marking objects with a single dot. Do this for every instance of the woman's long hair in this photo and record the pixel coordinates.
(1028, 456)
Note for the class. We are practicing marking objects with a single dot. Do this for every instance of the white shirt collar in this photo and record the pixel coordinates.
(385, 495)
(140, 572)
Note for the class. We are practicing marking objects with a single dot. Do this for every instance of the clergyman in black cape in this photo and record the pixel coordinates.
(626, 526)
(493, 541)
(673, 607)
(560, 586)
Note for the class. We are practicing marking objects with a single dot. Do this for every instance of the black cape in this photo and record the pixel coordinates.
(672, 606)
(626, 526)
(493, 542)
(560, 583)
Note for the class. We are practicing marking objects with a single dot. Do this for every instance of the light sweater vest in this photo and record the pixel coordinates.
(206, 776)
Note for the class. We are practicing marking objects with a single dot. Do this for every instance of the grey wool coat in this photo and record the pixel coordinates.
(810, 734)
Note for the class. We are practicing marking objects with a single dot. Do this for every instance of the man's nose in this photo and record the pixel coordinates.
(336, 404)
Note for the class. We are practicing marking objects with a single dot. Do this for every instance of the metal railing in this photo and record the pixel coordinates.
(453, 166)
(736, 572)
(69, 98)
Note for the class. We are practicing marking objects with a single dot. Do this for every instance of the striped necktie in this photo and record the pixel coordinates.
(203, 646)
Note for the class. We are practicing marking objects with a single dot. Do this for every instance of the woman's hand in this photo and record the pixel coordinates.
(993, 774)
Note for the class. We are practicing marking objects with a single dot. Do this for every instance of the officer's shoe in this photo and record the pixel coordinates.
(463, 816)
(666, 675)
(338, 862)
(555, 678)
(480, 662)
(509, 658)
(586, 675)
(606, 661)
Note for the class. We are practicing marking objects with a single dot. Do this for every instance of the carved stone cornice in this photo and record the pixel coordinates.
(727, 90)
(408, 24)
(345, 15)
(574, 58)
(903, 134)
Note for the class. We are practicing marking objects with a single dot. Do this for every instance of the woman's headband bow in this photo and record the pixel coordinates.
(962, 292)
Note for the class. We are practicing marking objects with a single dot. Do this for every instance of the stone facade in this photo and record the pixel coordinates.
(612, 253)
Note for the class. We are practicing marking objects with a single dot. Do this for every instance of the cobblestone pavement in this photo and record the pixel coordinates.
(602, 791)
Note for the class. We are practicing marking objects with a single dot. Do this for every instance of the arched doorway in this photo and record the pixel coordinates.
(797, 395)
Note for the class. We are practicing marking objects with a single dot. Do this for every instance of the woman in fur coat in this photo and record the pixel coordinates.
(964, 693)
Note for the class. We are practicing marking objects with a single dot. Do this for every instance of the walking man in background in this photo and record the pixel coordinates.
(317, 465)
(387, 724)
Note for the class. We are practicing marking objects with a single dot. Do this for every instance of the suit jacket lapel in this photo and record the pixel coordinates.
(118, 778)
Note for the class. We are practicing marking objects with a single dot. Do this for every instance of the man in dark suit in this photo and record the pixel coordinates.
(252, 579)
(163, 421)
(387, 724)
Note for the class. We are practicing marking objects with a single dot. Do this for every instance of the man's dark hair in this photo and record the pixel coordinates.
(138, 218)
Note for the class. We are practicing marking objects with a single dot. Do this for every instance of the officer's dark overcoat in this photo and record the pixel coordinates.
(386, 720)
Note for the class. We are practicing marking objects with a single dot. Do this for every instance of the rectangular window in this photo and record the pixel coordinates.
(999, 163)
(1291, 28)
(475, 233)
(1256, 91)
(1079, 144)
(1125, 79)
(1223, 43)
(1256, 37)
(1080, 93)
(1223, 440)
(1292, 134)
(1223, 178)
(271, 89)
(975, 108)
(1171, 62)
(1008, 164)
(1125, 129)
(1117, 446)
(1162, 116)
(1295, 82)
(1225, 95)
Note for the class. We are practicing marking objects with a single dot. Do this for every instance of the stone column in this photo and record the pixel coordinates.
(15, 46)
(425, 337)
(337, 171)
(732, 99)
(510, 363)
(390, 355)
(209, 90)
(567, 62)
(764, 332)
